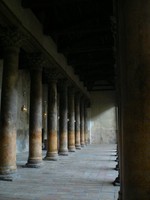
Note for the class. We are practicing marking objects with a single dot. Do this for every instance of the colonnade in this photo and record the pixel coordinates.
(133, 61)
(72, 109)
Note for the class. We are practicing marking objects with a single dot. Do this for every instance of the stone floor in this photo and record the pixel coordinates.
(86, 174)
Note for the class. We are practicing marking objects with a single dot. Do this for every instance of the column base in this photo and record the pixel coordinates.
(116, 182)
(63, 153)
(8, 174)
(117, 167)
(71, 149)
(51, 157)
(82, 145)
(8, 177)
(117, 159)
(78, 147)
(33, 163)
(8, 170)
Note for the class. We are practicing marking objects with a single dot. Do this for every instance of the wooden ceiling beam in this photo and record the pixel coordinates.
(95, 72)
(83, 49)
(96, 77)
(72, 31)
(102, 65)
(87, 60)
(36, 4)
(83, 43)
(76, 63)
(101, 89)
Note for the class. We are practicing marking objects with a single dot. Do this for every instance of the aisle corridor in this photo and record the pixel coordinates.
(84, 175)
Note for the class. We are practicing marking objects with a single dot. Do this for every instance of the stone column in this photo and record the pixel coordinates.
(118, 94)
(11, 43)
(63, 128)
(82, 134)
(44, 115)
(58, 117)
(134, 30)
(85, 124)
(77, 121)
(52, 149)
(71, 123)
(35, 122)
(118, 152)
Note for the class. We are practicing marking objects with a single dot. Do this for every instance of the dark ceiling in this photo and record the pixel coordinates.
(82, 30)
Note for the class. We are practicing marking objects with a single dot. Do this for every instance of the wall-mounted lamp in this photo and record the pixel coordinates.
(23, 108)
(44, 114)
(45, 109)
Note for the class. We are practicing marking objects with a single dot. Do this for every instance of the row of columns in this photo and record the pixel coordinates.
(69, 120)
(72, 135)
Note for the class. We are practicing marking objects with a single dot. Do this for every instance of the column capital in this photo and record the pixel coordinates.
(78, 93)
(36, 60)
(53, 75)
(11, 37)
(63, 83)
(64, 80)
(82, 98)
(87, 103)
(71, 89)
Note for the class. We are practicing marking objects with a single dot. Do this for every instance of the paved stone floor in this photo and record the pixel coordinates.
(86, 174)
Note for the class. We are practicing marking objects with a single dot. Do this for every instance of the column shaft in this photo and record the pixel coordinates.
(82, 134)
(77, 121)
(135, 81)
(44, 116)
(9, 111)
(35, 125)
(71, 124)
(52, 151)
(85, 125)
(63, 128)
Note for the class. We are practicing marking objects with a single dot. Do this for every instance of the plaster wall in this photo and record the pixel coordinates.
(103, 118)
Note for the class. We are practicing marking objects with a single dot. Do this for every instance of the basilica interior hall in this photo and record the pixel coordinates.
(74, 100)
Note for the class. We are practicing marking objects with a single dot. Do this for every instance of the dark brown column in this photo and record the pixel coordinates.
(82, 134)
(10, 41)
(71, 123)
(63, 128)
(35, 124)
(77, 121)
(134, 29)
(52, 150)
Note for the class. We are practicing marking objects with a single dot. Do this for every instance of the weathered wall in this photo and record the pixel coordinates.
(23, 87)
(103, 117)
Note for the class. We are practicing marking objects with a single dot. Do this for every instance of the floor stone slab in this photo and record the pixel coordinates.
(87, 174)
